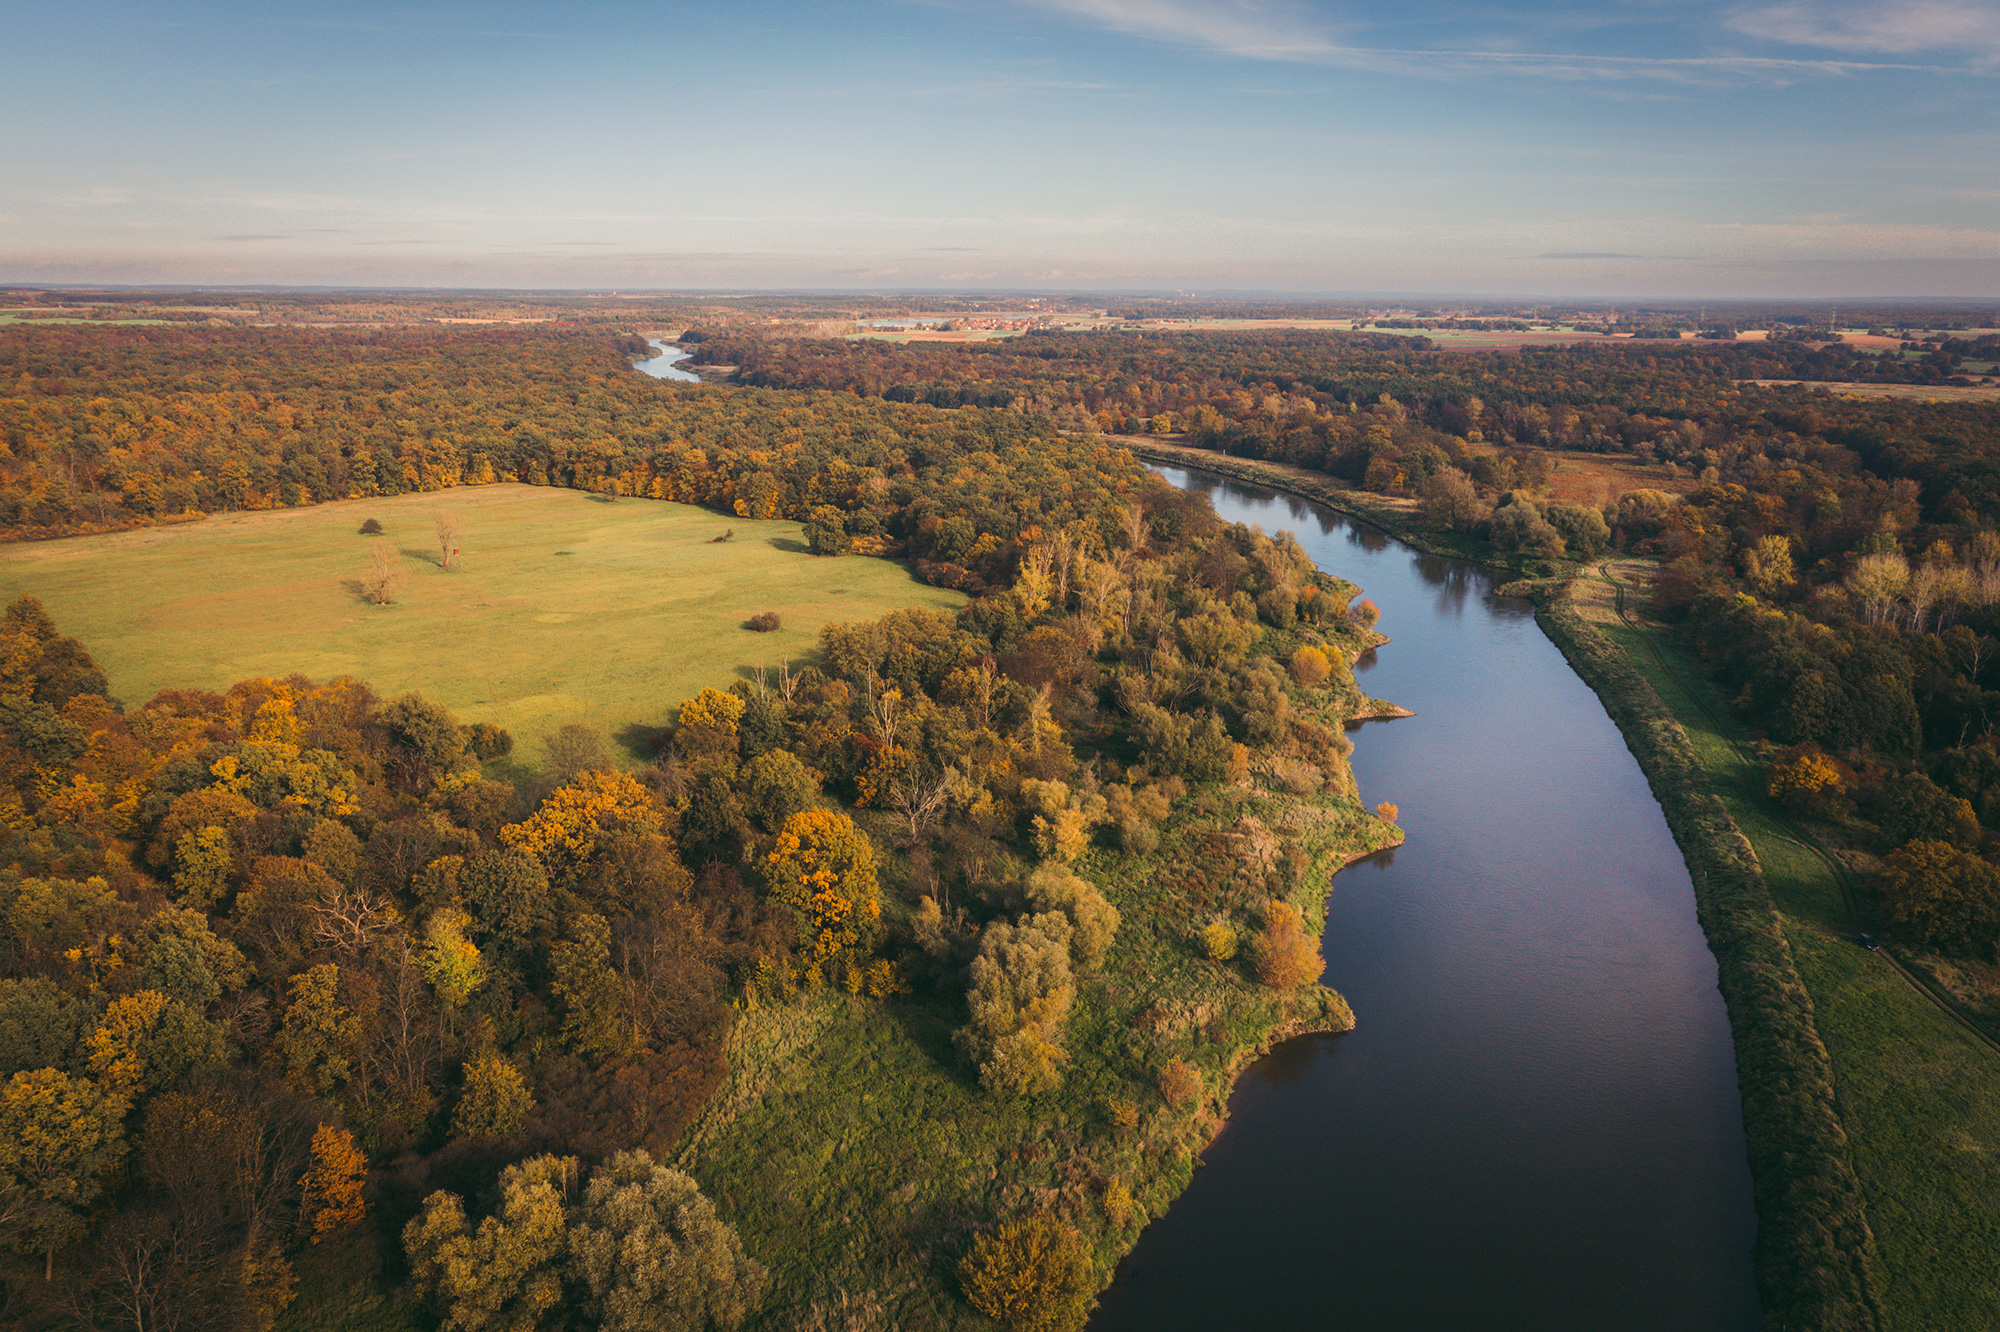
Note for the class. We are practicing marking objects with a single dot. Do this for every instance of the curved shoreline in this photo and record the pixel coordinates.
(1815, 1254)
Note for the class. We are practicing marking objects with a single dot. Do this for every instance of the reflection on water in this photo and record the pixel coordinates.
(1535, 1124)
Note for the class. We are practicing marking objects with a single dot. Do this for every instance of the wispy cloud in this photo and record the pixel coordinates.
(1283, 32)
(1880, 27)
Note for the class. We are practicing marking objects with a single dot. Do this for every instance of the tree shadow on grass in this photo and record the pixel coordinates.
(929, 1027)
(791, 544)
(642, 741)
(421, 554)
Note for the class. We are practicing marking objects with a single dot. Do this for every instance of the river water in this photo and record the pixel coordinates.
(1535, 1124)
(667, 365)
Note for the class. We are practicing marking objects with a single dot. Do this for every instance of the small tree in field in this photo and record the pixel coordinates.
(378, 585)
(373, 527)
(447, 535)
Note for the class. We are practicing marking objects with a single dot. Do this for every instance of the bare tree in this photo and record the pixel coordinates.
(447, 535)
(378, 585)
(919, 798)
(350, 919)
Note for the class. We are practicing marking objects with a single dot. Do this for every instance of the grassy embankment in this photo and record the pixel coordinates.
(565, 608)
(856, 1150)
(1917, 1095)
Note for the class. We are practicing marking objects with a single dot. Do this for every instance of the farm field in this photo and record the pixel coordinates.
(565, 607)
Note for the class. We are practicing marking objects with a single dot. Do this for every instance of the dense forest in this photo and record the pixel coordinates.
(1837, 562)
(285, 973)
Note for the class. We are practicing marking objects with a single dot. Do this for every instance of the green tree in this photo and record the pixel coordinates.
(60, 1140)
(1949, 898)
(425, 731)
(776, 786)
(507, 892)
(651, 1252)
(203, 867)
(1028, 1276)
(1022, 989)
(41, 1027)
(318, 1035)
(184, 959)
(1093, 920)
(494, 1100)
(505, 1276)
(588, 988)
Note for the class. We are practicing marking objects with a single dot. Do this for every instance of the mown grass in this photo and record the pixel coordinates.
(858, 1154)
(1918, 1096)
(565, 608)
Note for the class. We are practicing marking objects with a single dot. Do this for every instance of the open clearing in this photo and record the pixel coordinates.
(565, 608)
(1921, 392)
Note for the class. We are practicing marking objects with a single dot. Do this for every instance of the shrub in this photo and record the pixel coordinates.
(763, 622)
(1180, 1084)
(487, 741)
(1028, 1276)
(1387, 812)
(373, 527)
(1310, 667)
(1365, 614)
(1218, 940)
(729, 535)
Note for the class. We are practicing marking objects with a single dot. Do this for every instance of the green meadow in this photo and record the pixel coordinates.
(564, 607)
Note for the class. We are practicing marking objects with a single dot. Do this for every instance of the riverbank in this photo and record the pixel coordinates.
(1815, 1252)
(1917, 1092)
(857, 1154)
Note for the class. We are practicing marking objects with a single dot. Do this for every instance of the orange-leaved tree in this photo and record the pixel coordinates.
(332, 1186)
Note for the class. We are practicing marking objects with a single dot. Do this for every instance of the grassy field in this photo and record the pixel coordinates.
(1918, 1096)
(564, 608)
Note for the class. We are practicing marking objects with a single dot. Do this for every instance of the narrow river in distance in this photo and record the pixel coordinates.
(1535, 1125)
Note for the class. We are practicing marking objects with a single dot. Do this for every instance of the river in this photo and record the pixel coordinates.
(667, 365)
(1535, 1124)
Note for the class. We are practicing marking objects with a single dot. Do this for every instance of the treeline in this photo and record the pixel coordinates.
(115, 427)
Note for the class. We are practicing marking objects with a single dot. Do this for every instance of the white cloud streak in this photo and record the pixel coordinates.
(1881, 27)
(1265, 31)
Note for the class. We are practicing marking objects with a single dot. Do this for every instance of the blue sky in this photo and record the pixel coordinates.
(1653, 147)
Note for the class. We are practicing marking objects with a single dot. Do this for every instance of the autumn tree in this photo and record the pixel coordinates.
(448, 959)
(60, 1140)
(1028, 1276)
(1285, 958)
(1947, 897)
(331, 1197)
(1310, 667)
(822, 870)
(649, 1252)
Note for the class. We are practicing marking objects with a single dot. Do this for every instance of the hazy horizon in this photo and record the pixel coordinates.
(1638, 150)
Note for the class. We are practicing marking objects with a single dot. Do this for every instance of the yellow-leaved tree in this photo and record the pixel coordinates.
(564, 833)
(823, 869)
